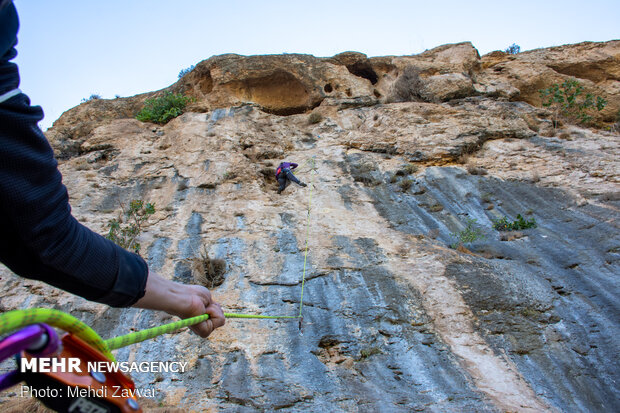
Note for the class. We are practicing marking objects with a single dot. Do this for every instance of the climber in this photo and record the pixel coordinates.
(284, 175)
(41, 240)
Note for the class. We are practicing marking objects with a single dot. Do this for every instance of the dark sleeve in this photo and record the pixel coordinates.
(294, 165)
(40, 239)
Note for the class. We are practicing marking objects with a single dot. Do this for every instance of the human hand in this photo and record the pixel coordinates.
(183, 301)
(198, 302)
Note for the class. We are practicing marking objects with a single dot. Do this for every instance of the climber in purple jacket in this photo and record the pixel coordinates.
(284, 175)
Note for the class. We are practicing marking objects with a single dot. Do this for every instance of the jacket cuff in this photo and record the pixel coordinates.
(130, 284)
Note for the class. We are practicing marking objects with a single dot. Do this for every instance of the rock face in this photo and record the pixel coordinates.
(292, 83)
(406, 151)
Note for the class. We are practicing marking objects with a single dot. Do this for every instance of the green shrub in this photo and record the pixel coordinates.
(503, 224)
(513, 49)
(567, 100)
(185, 71)
(94, 96)
(164, 108)
(471, 233)
(125, 230)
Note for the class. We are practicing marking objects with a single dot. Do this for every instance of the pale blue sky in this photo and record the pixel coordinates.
(70, 49)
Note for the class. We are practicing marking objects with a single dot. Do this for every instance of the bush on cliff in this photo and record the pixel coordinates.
(185, 71)
(94, 96)
(513, 49)
(162, 109)
(314, 118)
(125, 230)
(472, 232)
(503, 224)
(407, 86)
(568, 101)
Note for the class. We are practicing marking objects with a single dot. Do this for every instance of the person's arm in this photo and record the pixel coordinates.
(182, 300)
(294, 165)
(40, 239)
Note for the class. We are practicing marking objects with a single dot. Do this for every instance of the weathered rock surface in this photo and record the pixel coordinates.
(595, 65)
(292, 83)
(394, 319)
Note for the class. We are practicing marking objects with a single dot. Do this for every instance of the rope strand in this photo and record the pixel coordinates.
(139, 336)
(303, 278)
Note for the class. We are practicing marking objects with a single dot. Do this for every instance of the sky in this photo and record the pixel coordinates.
(71, 49)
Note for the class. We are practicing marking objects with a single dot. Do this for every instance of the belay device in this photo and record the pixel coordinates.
(75, 389)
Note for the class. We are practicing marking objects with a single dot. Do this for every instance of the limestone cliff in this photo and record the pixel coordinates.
(406, 150)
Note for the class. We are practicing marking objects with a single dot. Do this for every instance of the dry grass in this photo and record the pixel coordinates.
(314, 118)
(407, 86)
(81, 165)
(268, 172)
(476, 170)
(208, 271)
(362, 172)
(436, 207)
(610, 196)
(463, 159)
(510, 235)
(405, 184)
(407, 169)
(433, 233)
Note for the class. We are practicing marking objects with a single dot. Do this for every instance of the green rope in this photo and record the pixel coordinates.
(303, 278)
(15, 319)
(139, 336)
